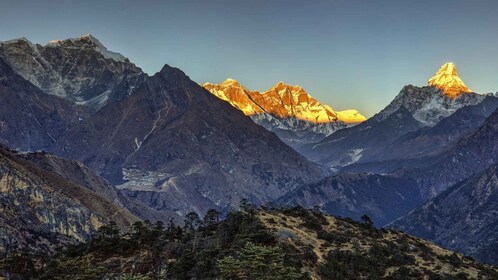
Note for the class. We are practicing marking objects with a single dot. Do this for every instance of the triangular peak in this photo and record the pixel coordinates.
(448, 81)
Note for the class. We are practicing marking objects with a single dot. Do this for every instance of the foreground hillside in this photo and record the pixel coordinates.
(252, 244)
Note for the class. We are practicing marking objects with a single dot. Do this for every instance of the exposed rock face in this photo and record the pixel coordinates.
(289, 111)
(30, 119)
(81, 69)
(382, 197)
(177, 147)
(448, 81)
(41, 209)
(464, 218)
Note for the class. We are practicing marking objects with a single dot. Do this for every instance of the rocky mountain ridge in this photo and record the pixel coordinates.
(174, 146)
(79, 69)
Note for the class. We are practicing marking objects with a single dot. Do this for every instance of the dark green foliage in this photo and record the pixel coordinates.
(258, 262)
(241, 247)
(313, 220)
(192, 221)
(365, 219)
(404, 272)
(212, 218)
(158, 251)
(19, 264)
(352, 265)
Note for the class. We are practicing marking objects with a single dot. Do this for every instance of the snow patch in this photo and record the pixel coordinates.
(355, 155)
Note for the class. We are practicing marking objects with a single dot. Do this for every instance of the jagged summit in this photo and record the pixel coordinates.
(78, 69)
(289, 111)
(281, 100)
(81, 38)
(88, 40)
(230, 82)
(281, 85)
(22, 39)
(448, 81)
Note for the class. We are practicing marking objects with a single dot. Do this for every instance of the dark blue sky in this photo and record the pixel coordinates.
(347, 53)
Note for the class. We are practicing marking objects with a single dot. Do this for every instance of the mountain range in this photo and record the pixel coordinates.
(169, 142)
(288, 111)
(413, 108)
(445, 157)
(88, 138)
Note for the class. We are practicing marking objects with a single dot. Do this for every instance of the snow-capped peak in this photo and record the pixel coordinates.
(230, 82)
(282, 101)
(448, 81)
(89, 39)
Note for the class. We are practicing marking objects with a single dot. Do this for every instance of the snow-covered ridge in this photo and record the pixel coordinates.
(350, 116)
(282, 101)
(289, 111)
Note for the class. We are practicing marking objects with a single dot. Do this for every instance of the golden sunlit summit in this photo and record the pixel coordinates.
(281, 100)
(448, 81)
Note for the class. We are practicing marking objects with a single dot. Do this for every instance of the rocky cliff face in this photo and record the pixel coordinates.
(80, 69)
(175, 146)
(289, 111)
(42, 210)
